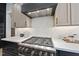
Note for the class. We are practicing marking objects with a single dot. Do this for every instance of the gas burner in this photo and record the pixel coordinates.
(37, 46)
(41, 41)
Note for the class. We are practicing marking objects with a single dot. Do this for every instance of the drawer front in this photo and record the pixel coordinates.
(10, 49)
(65, 53)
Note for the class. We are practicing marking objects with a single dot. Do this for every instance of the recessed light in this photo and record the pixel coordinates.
(47, 9)
(38, 11)
(29, 13)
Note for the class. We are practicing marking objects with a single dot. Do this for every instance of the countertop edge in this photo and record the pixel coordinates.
(63, 49)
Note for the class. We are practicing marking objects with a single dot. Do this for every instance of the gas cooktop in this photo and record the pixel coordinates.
(41, 41)
(37, 46)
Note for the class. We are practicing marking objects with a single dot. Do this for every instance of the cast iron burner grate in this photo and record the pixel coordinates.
(42, 41)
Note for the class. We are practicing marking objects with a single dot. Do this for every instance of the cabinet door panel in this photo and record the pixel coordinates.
(66, 53)
(11, 49)
(18, 19)
(61, 15)
(75, 13)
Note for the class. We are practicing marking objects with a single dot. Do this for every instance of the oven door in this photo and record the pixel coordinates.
(28, 51)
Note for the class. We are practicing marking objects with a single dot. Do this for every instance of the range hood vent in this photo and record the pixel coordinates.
(32, 7)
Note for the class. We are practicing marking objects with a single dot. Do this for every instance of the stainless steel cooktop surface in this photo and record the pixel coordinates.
(42, 41)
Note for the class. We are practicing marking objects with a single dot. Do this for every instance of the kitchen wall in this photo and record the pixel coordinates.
(56, 32)
(42, 22)
(62, 31)
(26, 31)
(42, 26)
(8, 20)
(19, 15)
(19, 18)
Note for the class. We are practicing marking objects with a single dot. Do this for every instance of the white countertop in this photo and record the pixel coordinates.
(60, 44)
(15, 39)
(20, 39)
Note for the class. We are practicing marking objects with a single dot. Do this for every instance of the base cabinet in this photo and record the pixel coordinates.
(11, 49)
(65, 53)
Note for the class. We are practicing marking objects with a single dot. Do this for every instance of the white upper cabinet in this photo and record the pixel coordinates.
(19, 20)
(74, 12)
(61, 14)
(67, 14)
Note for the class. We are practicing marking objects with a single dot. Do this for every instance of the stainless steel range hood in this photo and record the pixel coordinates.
(38, 9)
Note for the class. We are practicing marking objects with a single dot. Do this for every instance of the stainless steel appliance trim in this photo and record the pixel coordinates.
(38, 47)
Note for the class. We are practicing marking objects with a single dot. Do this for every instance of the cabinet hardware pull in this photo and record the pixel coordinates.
(14, 24)
(56, 20)
(25, 23)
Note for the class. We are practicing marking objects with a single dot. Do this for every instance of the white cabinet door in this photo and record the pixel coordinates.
(18, 19)
(61, 14)
(75, 13)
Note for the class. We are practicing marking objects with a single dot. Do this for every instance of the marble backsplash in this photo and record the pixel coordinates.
(56, 32)
(60, 32)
